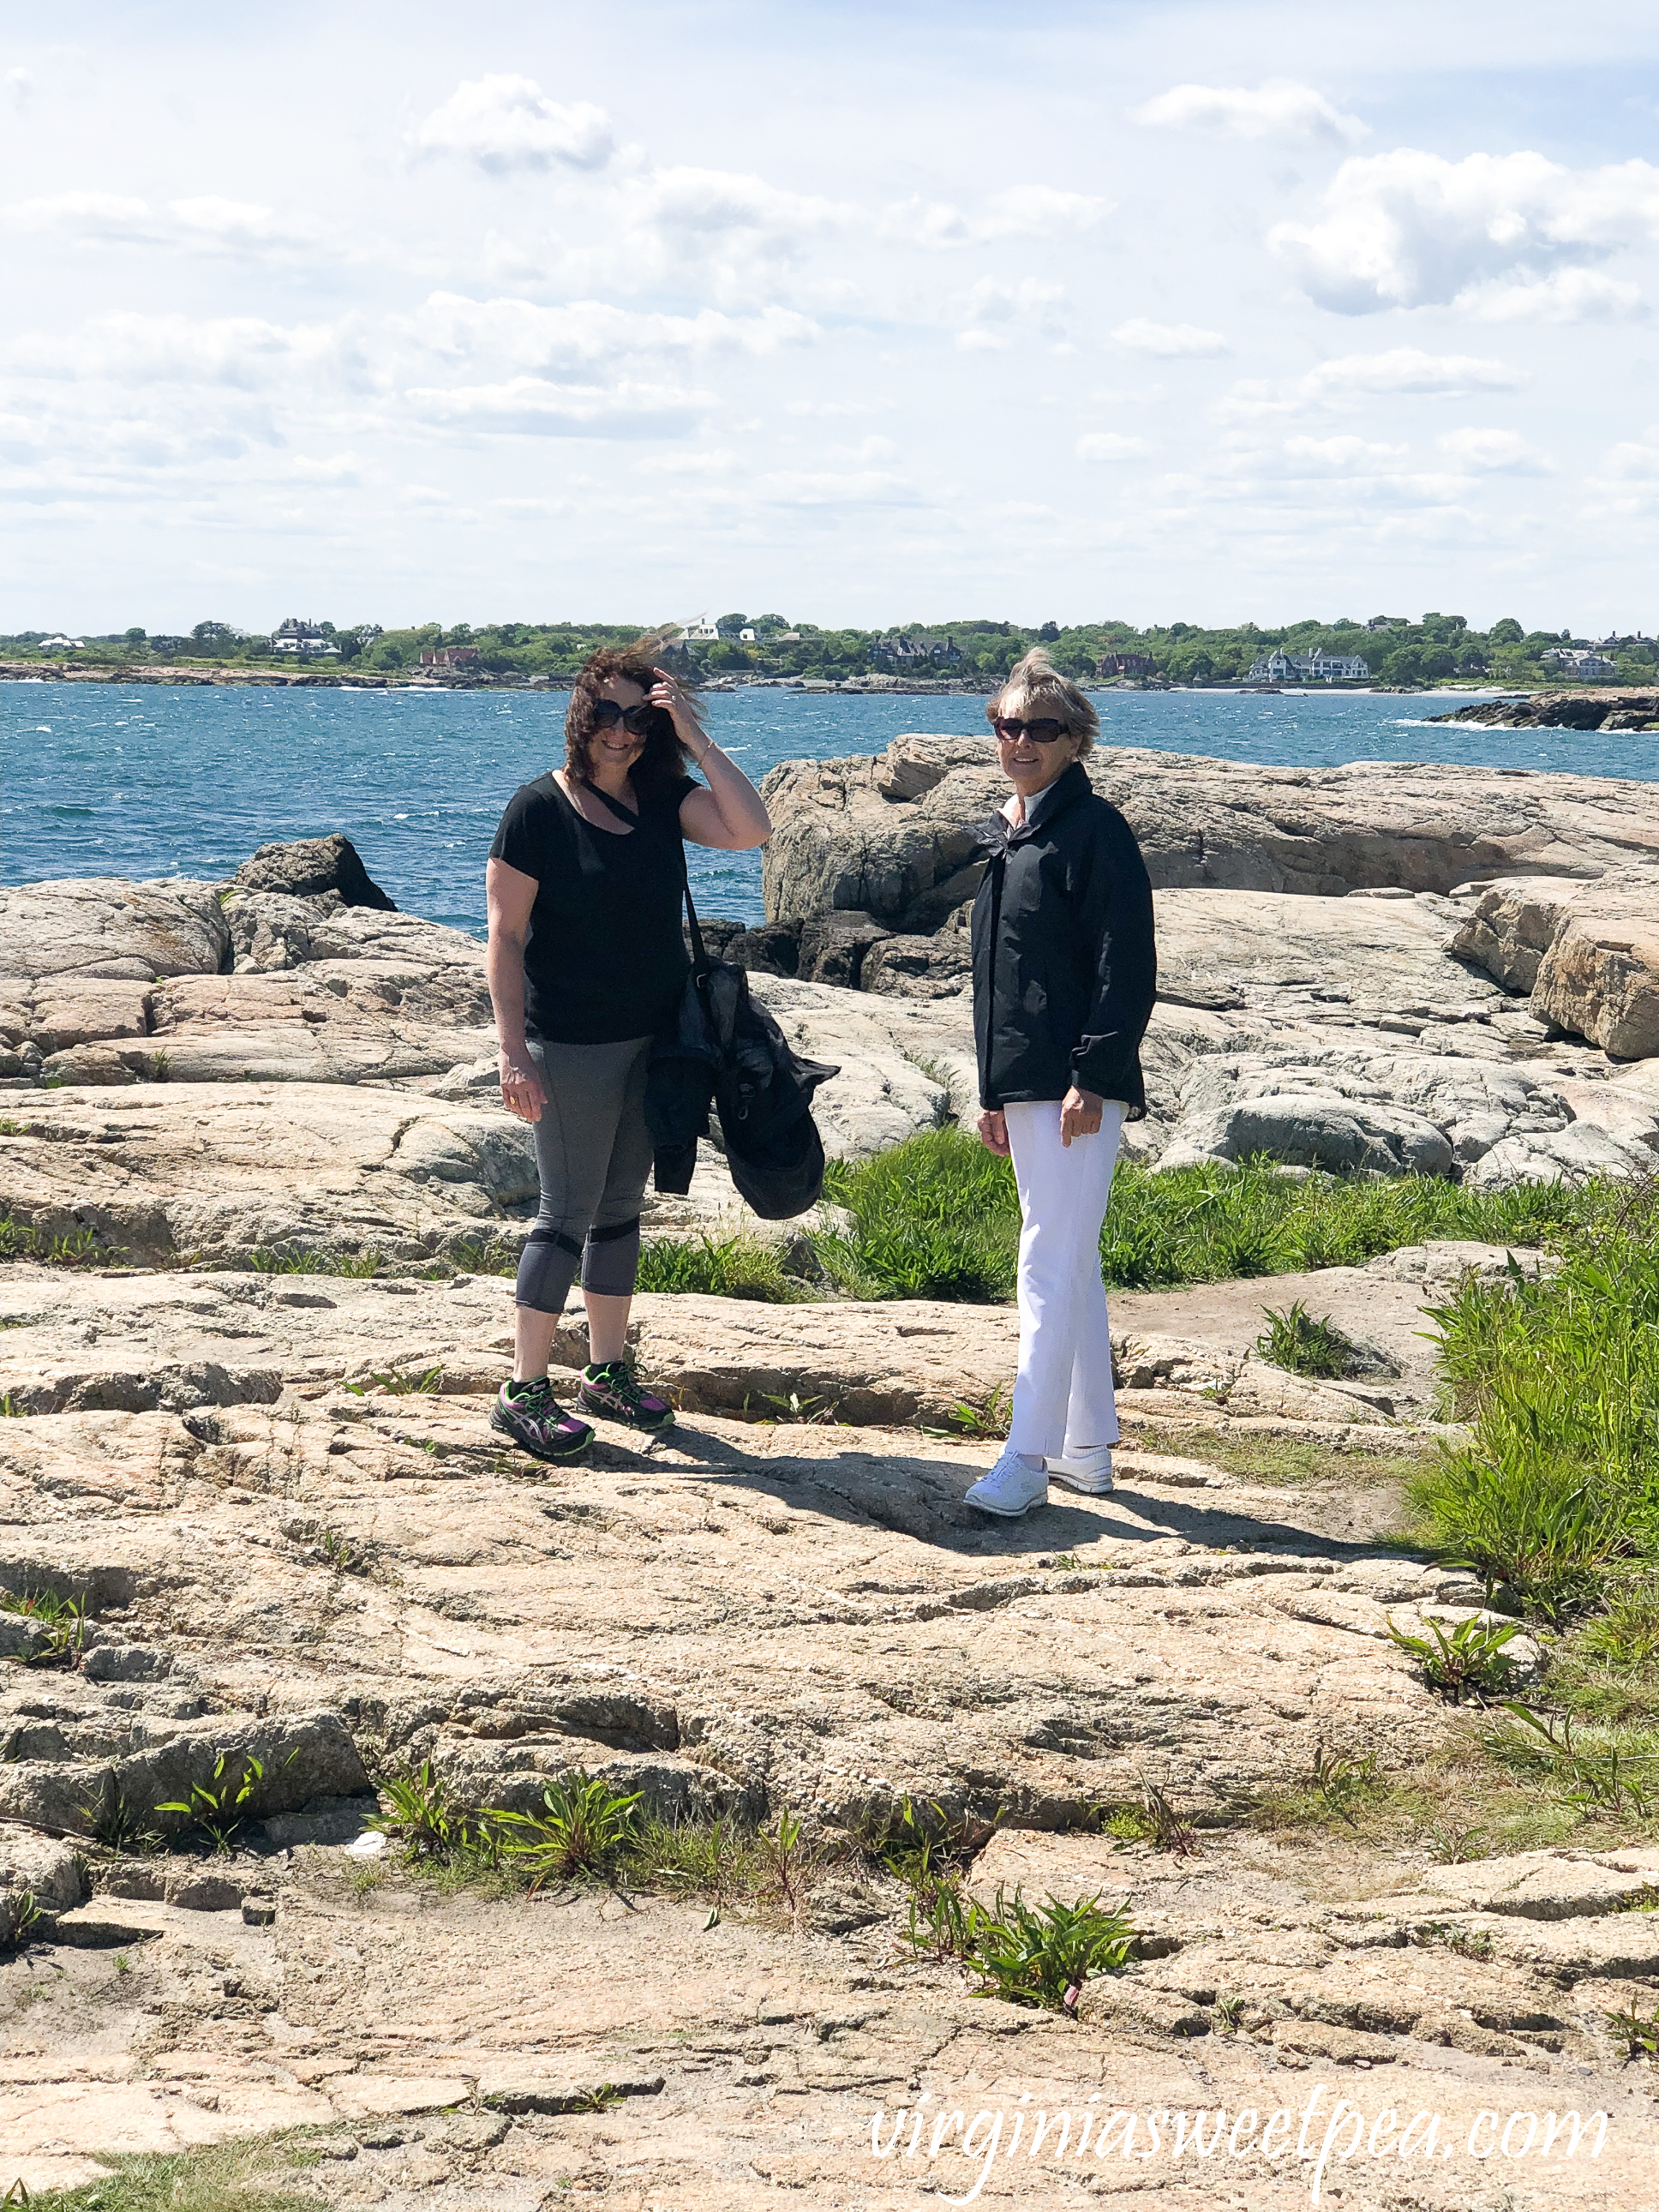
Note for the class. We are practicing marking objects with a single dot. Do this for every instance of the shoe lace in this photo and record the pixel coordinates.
(617, 1378)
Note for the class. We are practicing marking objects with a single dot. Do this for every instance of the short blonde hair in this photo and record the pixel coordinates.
(1035, 687)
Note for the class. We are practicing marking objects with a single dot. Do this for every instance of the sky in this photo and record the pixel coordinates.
(1211, 312)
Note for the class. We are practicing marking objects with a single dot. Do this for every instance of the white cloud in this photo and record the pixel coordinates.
(1109, 446)
(998, 311)
(242, 351)
(1019, 212)
(1404, 369)
(1410, 229)
(19, 86)
(507, 122)
(529, 406)
(1169, 340)
(205, 224)
(1344, 453)
(1281, 108)
(1500, 452)
(1348, 381)
(520, 334)
(1570, 295)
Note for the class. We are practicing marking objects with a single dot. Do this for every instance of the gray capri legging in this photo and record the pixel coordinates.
(592, 1155)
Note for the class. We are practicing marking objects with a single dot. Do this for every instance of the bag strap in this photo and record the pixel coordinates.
(699, 960)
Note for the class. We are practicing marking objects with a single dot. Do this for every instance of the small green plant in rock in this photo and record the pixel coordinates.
(1044, 1955)
(1637, 2031)
(1470, 1661)
(1341, 1783)
(1452, 1845)
(1452, 1935)
(216, 1806)
(115, 1822)
(425, 1821)
(1227, 2013)
(728, 1267)
(988, 1420)
(1295, 1340)
(585, 1828)
(63, 1619)
(25, 1911)
(1169, 1832)
(1589, 1780)
(596, 2100)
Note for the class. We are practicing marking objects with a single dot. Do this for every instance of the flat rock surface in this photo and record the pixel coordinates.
(748, 1618)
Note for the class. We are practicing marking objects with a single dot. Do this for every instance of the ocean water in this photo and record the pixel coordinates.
(143, 779)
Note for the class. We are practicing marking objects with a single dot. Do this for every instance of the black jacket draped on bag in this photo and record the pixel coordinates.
(1064, 965)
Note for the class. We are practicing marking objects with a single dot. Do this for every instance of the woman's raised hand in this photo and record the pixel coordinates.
(666, 694)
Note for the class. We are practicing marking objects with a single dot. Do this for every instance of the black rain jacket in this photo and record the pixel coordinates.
(1064, 966)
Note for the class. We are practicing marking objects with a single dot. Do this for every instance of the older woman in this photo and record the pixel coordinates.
(1064, 978)
(586, 963)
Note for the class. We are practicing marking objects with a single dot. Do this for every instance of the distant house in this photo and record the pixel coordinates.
(787, 637)
(1126, 664)
(451, 656)
(1390, 622)
(1581, 661)
(303, 639)
(746, 636)
(941, 650)
(701, 632)
(62, 645)
(1315, 667)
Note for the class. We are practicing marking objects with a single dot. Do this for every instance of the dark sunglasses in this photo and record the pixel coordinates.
(636, 720)
(1043, 731)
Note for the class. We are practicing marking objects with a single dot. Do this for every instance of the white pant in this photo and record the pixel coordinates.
(1063, 1399)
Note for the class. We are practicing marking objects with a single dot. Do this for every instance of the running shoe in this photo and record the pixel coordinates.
(538, 1424)
(1010, 1488)
(610, 1388)
(1089, 1470)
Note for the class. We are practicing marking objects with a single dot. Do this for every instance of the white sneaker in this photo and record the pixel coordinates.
(1010, 1488)
(1090, 1470)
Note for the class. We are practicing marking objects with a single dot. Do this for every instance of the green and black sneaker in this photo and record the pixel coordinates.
(610, 1388)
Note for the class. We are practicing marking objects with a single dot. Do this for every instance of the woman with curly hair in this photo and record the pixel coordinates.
(586, 963)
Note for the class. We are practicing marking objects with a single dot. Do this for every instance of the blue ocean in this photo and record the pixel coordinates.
(139, 780)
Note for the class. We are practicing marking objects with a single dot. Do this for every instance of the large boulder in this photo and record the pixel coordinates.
(1306, 1129)
(310, 867)
(1586, 953)
(105, 927)
(886, 835)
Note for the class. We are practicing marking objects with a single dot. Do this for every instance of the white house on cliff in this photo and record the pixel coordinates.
(1314, 667)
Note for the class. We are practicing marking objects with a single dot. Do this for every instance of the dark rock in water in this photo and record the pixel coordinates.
(833, 946)
(310, 867)
(773, 949)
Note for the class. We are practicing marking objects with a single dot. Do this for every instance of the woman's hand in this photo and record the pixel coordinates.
(522, 1092)
(666, 694)
(1079, 1115)
(994, 1131)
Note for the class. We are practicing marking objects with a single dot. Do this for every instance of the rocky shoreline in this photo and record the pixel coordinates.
(255, 1446)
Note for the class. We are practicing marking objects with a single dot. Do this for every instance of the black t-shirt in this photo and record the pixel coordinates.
(605, 958)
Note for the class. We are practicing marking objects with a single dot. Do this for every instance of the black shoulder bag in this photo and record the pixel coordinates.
(721, 1048)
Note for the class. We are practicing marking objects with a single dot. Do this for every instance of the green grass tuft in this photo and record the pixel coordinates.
(728, 1268)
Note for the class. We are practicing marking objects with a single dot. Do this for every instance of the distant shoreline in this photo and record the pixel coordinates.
(339, 679)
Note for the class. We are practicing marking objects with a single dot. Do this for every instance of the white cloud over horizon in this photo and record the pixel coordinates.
(718, 319)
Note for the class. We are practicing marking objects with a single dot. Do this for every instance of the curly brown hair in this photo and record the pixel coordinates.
(664, 756)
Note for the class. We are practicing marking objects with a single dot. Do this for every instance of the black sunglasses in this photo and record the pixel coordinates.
(636, 720)
(1043, 731)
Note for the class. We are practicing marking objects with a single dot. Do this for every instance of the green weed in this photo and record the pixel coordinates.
(728, 1268)
(585, 1828)
(988, 1418)
(428, 1824)
(1558, 1485)
(216, 1806)
(1339, 1782)
(22, 1241)
(1044, 1955)
(244, 2177)
(1296, 1342)
(1586, 1776)
(1637, 2031)
(1451, 1936)
(63, 1619)
(1469, 1661)
(115, 1822)
(430, 1384)
(280, 1259)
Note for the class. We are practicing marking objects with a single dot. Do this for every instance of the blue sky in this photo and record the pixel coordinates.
(851, 314)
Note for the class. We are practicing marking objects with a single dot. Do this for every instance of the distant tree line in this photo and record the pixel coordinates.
(1398, 649)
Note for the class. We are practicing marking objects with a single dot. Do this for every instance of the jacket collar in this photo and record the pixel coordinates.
(998, 833)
